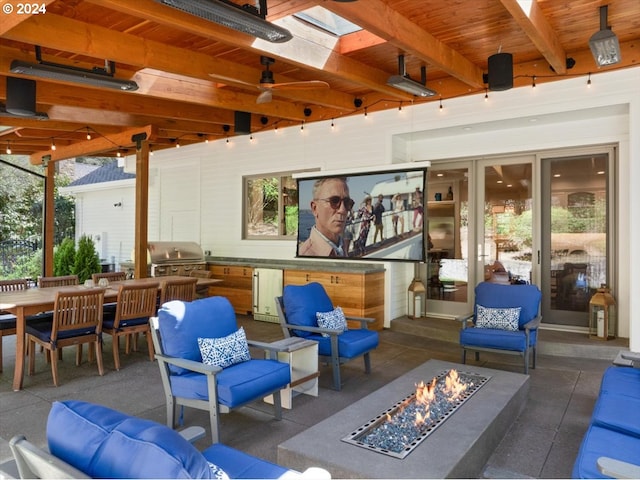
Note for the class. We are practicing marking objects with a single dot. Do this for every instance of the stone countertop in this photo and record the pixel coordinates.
(328, 266)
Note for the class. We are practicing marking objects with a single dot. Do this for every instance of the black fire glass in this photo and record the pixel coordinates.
(335, 202)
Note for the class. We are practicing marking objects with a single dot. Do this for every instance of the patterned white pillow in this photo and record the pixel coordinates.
(334, 319)
(217, 472)
(498, 318)
(225, 351)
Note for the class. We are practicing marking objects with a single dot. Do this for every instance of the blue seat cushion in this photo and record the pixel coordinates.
(181, 323)
(108, 323)
(237, 384)
(618, 412)
(7, 321)
(498, 339)
(105, 443)
(495, 295)
(621, 380)
(43, 331)
(237, 464)
(351, 343)
(302, 302)
(604, 442)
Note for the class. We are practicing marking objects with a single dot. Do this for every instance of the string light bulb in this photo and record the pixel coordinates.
(589, 81)
(302, 125)
(486, 94)
(8, 148)
(365, 111)
(533, 84)
(88, 134)
(53, 144)
(400, 107)
(441, 107)
(332, 124)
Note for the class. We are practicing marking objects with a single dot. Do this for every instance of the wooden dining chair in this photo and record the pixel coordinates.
(111, 276)
(183, 288)
(8, 320)
(201, 290)
(62, 281)
(77, 319)
(135, 305)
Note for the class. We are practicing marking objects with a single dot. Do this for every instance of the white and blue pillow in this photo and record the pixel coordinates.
(498, 318)
(225, 351)
(334, 320)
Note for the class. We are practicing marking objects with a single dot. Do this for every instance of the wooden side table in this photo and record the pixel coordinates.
(302, 357)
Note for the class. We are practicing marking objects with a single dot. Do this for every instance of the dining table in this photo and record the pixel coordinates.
(23, 303)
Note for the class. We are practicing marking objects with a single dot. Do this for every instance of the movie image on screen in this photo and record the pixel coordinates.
(372, 216)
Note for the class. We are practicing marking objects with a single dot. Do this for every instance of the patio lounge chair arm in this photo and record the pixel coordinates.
(364, 321)
(305, 328)
(198, 367)
(463, 319)
(532, 324)
(617, 469)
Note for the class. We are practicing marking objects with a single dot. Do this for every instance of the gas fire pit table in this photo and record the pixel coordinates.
(458, 447)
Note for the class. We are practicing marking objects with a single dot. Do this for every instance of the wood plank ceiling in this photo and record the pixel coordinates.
(193, 74)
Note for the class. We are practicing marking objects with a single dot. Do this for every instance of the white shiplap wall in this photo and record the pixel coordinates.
(569, 115)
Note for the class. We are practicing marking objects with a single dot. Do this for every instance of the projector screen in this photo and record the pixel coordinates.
(372, 216)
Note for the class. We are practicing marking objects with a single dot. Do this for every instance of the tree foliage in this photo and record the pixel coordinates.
(86, 261)
(64, 258)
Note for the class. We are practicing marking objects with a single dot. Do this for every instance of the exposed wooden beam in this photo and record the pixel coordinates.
(316, 52)
(537, 27)
(381, 19)
(12, 15)
(91, 147)
(100, 42)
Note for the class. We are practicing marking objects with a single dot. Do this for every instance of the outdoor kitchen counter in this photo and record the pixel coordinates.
(328, 266)
(356, 287)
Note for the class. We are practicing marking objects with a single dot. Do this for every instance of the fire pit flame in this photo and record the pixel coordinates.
(401, 428)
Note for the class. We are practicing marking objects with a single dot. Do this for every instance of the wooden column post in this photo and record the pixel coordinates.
(142, 205)
(49, 217)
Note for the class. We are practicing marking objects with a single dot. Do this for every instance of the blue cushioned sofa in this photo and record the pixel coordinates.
(99, 442)
(611, 445)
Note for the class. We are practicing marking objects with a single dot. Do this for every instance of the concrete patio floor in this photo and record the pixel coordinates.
(542, 443)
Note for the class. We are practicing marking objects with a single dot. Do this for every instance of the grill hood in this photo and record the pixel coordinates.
(175, 252)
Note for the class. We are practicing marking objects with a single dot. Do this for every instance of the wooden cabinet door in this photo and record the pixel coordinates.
(236, 285)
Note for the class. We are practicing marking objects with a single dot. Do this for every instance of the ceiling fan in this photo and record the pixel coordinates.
(267, 84)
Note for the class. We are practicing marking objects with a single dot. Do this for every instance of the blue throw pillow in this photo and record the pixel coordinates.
(182, 323)
(302, 302)
(225, 351)
(498, 318)
(334, 320)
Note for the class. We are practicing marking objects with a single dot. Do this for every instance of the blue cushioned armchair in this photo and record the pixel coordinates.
(189, 382)
(86, 440)
(297, 310)
(498, 332)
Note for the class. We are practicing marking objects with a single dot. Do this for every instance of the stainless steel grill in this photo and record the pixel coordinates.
(170, 258)
(175, 258)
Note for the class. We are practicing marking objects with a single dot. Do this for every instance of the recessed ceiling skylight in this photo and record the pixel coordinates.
(327, 21)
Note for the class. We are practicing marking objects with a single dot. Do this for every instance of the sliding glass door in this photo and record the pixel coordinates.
(576, 240)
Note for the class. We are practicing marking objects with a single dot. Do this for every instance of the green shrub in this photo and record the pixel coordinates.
(64, 258)
(86, 261)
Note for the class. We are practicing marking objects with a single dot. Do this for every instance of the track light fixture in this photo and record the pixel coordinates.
(97, 77)
(246, 18)
(307, 112)
(402, 81)
(604, 43)
(357, 102)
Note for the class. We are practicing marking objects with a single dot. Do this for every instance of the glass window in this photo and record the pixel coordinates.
(271, 207)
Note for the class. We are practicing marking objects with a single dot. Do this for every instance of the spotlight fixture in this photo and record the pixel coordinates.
(357, 102)
(97, 77)
(264, 120)
(402, 81)
(307, 112)
(604, 43)
(246, 18)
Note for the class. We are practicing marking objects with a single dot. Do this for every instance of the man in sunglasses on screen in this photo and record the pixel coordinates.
(330, 207)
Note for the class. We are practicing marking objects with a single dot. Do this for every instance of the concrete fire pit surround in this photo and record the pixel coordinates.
(459, 448)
